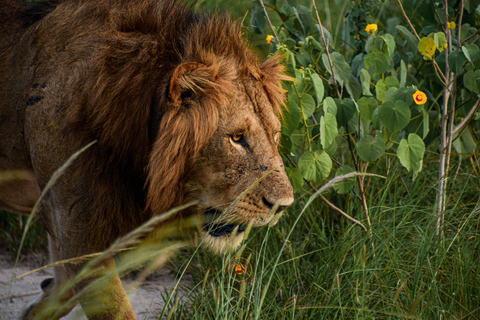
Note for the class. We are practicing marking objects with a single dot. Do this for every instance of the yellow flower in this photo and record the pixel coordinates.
(420, 97)
(371, 28)
(269, 39)
(451, 25)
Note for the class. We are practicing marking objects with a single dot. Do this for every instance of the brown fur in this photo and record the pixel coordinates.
(161, 89)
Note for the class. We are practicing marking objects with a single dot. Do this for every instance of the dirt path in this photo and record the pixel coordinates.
(146, 302)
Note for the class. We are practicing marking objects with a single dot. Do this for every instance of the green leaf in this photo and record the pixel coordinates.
(391, 82)
(366, 80)
(466, 144)
(328, 130)
(285, 144)
(410, 152)
(377, 62)
(370, 149)
(295, 177)
(345, 111)
(403, 74)
(471, 80)
(304, 18)
(426, 123)
(367, 106)
(417, 169)
(257, 20)
(411, 40)
(329, 106)
(391, 94)
(315, 166)
(341, 68)
(390, 42)
(440, 41)
(405, 94)
(471, 52)
(353, 87)
(317, 85)
(394, 116)
(292, 117)
(344, 186)
(298, 138)
(380, 90)
(308, 105)
(456, 61)
(332, 148)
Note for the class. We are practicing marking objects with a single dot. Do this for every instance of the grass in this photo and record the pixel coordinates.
(315, 265)
(331, 269)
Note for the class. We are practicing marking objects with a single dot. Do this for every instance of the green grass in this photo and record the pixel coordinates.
(327, 268)
(316, 265)
(12, 226)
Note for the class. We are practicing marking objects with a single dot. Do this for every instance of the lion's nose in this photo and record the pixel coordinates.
(284, 203)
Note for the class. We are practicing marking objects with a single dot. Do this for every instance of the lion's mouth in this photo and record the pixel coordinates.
(220, 229)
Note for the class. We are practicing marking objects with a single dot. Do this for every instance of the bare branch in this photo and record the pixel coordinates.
(269, 22)
(469, 115)
(326, 49)
(328, 203)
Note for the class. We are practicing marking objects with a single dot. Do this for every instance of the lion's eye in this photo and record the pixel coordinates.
(238, 138)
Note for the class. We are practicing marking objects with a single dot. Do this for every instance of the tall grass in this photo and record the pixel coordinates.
(319, 266)
(332, 269)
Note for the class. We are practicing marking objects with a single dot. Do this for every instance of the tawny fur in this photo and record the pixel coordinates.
(162, 89)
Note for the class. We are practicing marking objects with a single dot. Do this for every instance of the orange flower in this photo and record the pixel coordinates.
(371, 28)
(269, 39)
(420, 97)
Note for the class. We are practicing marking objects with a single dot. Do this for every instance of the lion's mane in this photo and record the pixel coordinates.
(128, 96)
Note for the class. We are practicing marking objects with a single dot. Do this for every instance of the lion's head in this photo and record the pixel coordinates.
(219, 137)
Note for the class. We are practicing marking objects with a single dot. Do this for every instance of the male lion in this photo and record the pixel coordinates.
(181, 109)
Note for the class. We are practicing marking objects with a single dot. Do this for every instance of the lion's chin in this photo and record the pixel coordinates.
(224, 243)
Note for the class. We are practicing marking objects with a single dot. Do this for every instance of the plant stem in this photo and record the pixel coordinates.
(438, 71)
(460, 24)
(446, 139)
(328, 203)
(269, 22)
(459, 126)
(326, 49)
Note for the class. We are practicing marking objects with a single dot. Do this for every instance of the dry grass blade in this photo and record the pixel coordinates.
(50, 183)
(153, 248)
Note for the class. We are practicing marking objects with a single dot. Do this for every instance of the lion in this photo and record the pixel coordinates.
(181, 109)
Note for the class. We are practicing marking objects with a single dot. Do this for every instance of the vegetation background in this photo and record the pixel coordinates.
(398, 99)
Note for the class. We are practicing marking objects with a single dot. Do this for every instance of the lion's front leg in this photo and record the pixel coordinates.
(102, 295)
(53, 302)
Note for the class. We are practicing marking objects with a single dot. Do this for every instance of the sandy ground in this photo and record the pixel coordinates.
(146, 302)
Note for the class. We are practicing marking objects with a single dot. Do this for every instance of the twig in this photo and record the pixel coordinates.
(467, 118)
(438, 71)
(328, 203)
(446, 138)
(408, 20)
(470, 37)
(436, 13)
(460, 24)
(269, 22)
(359, 182)
(326, 49)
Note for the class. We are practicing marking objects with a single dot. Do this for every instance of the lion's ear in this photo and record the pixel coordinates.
(191, 79)
(272, 76)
